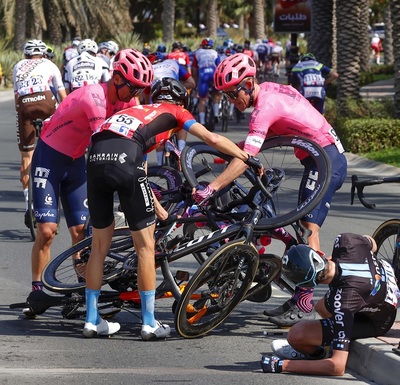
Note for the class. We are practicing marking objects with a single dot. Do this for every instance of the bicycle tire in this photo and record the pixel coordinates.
(269, 268)
(224, 114)
(216, 288)
(210, 117)
(61, 274)
(277, 153)
(387, 238)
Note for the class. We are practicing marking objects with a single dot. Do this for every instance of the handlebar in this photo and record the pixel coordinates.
(359, 185)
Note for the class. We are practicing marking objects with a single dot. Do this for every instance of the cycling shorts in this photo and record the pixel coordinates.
(206, 79)
(339, 173)
(115, 164)
(29, 107)
(366, 325)
(55, 175)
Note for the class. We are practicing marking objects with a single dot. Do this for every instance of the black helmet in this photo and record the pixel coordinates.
(301, 264)
(169, 89)
(308, 56)
(177, 44)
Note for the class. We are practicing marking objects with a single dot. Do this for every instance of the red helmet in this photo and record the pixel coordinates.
(134, 67)
(232, 70)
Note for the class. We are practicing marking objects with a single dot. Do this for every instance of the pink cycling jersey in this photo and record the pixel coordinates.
(282, 110)
(70, 128)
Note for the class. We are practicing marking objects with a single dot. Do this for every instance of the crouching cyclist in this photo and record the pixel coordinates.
(126, 137)
(360, 303)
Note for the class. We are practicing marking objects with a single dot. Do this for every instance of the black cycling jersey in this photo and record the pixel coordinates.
(362, 296)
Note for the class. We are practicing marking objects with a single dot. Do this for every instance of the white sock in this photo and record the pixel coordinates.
(26, 198)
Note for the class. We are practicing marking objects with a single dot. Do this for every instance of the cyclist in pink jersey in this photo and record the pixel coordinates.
(279, 110)
(58, 167)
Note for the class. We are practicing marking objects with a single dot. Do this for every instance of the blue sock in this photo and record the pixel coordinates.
(92, 314)
(37, 285)
(147, 299)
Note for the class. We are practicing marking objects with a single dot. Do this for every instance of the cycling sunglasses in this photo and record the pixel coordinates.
(235, 93)
(134, 90)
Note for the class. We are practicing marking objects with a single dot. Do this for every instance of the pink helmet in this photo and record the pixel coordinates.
(134, 67)
(232, 70)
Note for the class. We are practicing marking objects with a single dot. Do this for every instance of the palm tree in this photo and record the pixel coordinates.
(20, 24)
(168, 19)
(348, 32)
(395, 14)
(212, 18)
(388, 40)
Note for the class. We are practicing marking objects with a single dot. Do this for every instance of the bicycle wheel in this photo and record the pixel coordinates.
(269, 267)
(66, 272)
(216, 289)
(201, 164)
(387, 237)
(210, 117)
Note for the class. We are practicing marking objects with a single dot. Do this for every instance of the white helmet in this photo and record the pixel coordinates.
(34, 47)
(88, 45)
(110, 46)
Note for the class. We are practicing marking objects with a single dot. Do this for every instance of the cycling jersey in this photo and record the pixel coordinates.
(181, 57)
(85, 69)
(309, 78)
(362, 296)
(31, 76)
(78, 116)
(149, 125)
(170, 69)
(206, 61)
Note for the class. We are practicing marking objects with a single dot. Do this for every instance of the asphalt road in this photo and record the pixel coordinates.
(51, 350)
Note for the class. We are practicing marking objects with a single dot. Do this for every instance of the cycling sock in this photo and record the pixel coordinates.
(284, 236)
(92, 314)
(231, 108)
(147, 299)
(26, 198)
(37, 285)
(202, 117)
(302, 297)
(181, 144)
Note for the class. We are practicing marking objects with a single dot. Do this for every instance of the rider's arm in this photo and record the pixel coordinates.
(333, 75)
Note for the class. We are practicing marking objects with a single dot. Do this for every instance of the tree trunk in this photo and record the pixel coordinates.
(388, 40)
(321, 37)
(212, 18)
(259, 21)
(168, 18)
(20, 24)
(348, 35)
(365, 41)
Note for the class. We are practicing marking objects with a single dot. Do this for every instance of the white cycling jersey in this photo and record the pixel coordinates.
(168, 68)
(85, 69)
(36, 75)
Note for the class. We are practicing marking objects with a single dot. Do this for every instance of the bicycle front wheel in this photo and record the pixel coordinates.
(66, 273)
(216, 289)
(387, 238)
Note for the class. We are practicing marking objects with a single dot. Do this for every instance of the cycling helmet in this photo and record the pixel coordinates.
(75, 41)
(279, 43)
(88, 45)
(169, 89)
(162, 48)
(301, 265)
(232, 70)
(134, 66)
(239, 48)
(49, 52)
(155, 57)
(207, 43)
(110, 46)
(307, 56)
(34, 47)
(176, 45)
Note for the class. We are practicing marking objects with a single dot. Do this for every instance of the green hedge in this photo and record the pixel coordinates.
(367, 135)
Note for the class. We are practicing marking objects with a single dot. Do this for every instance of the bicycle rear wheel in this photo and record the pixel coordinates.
(201, 164)
(224, 114)
(31, 222)
(387, 238)
(216, 289)
(66, 272)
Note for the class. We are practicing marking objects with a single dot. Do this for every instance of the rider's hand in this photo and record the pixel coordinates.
(255, 162)
(271, 364)
(202, 193)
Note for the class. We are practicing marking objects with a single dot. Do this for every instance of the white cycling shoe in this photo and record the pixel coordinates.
(149, 333)
(104, 328)
(282, 349)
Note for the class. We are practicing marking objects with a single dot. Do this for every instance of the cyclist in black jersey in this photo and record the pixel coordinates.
(360, 303)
